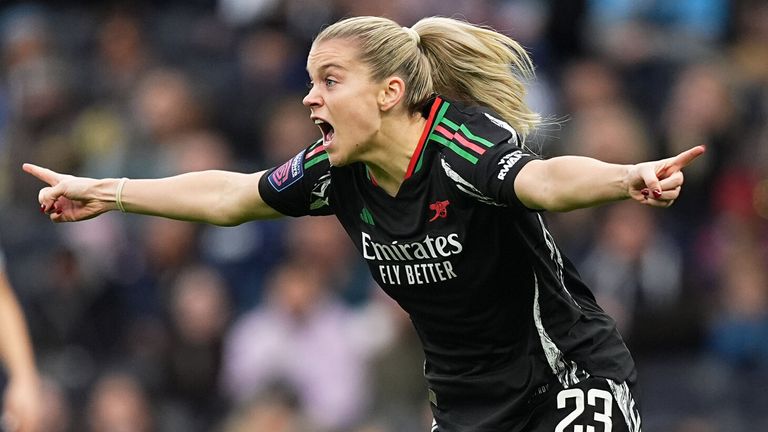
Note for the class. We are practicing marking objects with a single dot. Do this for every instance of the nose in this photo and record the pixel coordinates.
(312, 99)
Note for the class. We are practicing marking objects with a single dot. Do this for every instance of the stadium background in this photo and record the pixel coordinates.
(144, 324)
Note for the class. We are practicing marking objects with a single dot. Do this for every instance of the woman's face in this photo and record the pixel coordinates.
(343, 100)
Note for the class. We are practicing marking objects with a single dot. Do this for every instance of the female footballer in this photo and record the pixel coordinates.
(423, 161)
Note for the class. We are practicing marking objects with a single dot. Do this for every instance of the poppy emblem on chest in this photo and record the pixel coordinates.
(440, 208)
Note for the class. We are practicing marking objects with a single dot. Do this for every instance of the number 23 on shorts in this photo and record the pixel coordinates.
(600, 402)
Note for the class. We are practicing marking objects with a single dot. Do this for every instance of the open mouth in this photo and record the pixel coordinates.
(327, 130)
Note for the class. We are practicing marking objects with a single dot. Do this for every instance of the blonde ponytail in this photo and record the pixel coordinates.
(476, 65)
(467, 63)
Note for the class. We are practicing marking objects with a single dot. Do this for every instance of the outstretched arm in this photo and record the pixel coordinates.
(572, 182)
(217, 197)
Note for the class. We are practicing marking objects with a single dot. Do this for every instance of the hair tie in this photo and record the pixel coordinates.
(413, 34)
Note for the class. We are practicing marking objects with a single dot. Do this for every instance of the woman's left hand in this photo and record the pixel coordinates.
(658, 183)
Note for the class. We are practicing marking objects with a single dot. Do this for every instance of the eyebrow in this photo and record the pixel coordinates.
(327, 66)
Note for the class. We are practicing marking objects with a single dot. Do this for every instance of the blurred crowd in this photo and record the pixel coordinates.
(144, 324)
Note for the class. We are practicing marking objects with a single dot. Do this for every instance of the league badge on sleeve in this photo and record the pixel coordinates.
(287, 173)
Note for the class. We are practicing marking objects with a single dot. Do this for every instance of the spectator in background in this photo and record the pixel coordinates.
(266, 69)
(77, 322)
(274, 411)
(612, 132)
(749, 51)
(734, 250)
(305, 340)
(166, 108)
(682, 27)
(22, 404)
(748, 56)
(74, 311)
(105, 130)
(167, 248)
(739, 328)
(603, 126)
(286, 126)
(701, 108)
(199, 315)
(39, 95)
(241, 254)
(123, 57)
(734, 221)
(590, 83)
(635, 269)
(398, 387)
(648, 40)
(119, 402)
(321, 244)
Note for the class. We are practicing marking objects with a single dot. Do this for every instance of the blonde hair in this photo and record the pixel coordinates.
(461, 61)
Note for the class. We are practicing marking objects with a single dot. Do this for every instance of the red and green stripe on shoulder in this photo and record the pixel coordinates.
(315, 154)
(467, 134)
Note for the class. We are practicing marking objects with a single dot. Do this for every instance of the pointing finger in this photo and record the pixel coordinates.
(682, 160)
(49, 176)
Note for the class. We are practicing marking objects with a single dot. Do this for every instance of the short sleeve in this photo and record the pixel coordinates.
(496, 171)
(483, 159)
(301, 186)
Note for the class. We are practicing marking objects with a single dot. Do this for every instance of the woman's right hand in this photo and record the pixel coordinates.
(68, 198)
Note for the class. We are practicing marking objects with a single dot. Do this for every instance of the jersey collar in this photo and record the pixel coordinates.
(430, 111)
(428, 127)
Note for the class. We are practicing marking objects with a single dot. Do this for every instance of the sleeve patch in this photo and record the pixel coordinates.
(287, 173)
(507, 162)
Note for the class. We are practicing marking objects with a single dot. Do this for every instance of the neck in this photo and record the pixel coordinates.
(396, 142)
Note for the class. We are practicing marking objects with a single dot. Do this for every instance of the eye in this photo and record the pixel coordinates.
(330, 83)
(310, 84)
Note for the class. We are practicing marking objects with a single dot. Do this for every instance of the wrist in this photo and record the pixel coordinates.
(106, 192)
(626, 183)
(119, 194)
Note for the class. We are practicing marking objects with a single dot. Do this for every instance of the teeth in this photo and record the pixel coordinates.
(318, 122)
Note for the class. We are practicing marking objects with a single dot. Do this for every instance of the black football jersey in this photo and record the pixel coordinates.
(501, 313)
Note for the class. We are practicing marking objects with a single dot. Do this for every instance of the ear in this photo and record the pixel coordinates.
(391, 93)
